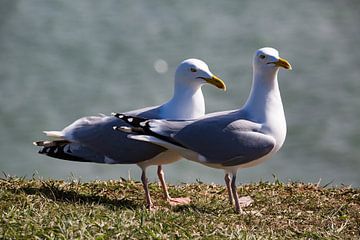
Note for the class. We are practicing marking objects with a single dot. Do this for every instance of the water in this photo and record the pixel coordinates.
(60, 60)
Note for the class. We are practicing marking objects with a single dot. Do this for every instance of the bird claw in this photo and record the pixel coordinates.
(178, 201)
(245, 201)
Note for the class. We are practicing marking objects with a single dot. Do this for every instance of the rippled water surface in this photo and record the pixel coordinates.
(60, 60)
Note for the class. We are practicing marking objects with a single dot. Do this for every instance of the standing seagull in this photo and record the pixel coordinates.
(92, 139)
(232, 139)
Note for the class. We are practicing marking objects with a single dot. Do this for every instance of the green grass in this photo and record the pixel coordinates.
(39, 209)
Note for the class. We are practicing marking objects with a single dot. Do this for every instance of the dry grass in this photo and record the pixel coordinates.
(114, 210)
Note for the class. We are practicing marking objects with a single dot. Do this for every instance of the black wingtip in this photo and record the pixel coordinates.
(134, 121)
(141, 125)
(60, 152)
(41, 143)
(118, 115)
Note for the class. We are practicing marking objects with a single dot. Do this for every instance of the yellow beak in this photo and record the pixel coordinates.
(283, 63)
(217, 82)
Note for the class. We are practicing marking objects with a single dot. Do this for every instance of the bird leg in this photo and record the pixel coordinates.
(228, 182)
(144, 180)
(239, 202)
(235, 194)
(172, 201)
(160, 174)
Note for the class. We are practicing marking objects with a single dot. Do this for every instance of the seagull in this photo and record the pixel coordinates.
(228, 140)
(92, 139)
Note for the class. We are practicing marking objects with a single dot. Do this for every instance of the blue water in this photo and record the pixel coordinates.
(60, 60)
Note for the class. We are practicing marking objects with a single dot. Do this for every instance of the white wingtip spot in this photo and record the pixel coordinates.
(125, 129)
(143, 124)
(130, 119)
(118, 115)
(115, 127)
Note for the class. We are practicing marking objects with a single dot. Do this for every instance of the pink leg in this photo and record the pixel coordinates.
(228, 187)
(243, 201)
(172, 201)
(160, 173)
(144, 180)
(235, 194)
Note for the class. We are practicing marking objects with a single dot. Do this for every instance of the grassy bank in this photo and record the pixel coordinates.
(114, 209)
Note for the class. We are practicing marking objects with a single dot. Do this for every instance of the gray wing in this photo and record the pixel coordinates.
(74, 152)
(223, 140)
(97, 141)
(169, 128)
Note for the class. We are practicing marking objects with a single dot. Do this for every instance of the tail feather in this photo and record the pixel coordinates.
(54, 134)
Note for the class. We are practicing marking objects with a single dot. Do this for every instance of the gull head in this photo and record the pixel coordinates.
(268, 60)
(195, 72)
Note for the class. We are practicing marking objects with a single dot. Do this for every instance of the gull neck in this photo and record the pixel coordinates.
(187, 102)
(264, 100)
(264, 106)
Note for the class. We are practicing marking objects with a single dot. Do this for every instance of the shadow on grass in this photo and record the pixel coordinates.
(70, 196)
(195, 208)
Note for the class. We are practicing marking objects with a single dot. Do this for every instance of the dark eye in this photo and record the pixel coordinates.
(193, 69)
(262, 56)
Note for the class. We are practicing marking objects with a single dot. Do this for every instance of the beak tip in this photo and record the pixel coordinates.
(217, 82)
(283, 63)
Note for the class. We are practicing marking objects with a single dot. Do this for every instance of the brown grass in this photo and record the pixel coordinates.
(114, 210)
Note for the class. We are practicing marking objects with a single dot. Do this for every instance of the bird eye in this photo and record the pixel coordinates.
(193, 69)
(262, 56)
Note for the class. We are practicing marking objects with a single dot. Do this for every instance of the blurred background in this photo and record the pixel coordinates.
(61, 60)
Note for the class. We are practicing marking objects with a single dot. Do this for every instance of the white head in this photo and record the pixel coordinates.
(267, 60)
(194, 72)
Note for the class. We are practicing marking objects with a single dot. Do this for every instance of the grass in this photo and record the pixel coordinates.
(51, 209)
